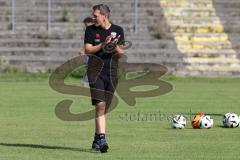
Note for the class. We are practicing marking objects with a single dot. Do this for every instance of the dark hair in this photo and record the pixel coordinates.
(88, 20)
(104, 9)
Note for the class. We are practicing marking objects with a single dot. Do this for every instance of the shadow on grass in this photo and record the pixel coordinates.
(48, 147)
(225, 127)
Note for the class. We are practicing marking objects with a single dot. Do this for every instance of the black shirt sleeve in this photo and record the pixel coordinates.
(89, 38)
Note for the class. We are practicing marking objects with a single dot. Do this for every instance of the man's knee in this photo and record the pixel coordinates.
(101, 106)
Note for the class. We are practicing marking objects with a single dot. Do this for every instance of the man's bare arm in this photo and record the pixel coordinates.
(119, 50)
(90, 49)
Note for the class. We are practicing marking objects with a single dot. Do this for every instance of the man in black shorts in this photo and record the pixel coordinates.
(102, 68)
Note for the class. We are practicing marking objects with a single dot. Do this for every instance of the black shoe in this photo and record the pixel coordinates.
(95, 146)
(103, 146)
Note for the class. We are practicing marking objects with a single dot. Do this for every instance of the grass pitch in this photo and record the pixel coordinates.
(29, 128)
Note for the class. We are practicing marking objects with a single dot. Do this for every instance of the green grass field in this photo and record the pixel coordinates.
(30, 130)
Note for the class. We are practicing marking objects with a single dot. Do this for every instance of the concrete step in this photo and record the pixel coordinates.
(54, 52)
(199, 53)
(170, 12)
(202, 20)
(33, 64)
(189, 15)
(44, 59)
(5, 10)
(201, 35)
(59, 18)
(227, 4)
(209, 53)
(5, 18)
(135, 57)
(196, 28)
(64, 33)
(22, 59)
(39, 34)
(60, 35)
(197, 47)
(5, 26)
(71, 43)
(38, 43)
(77, 11)
(76, 43)
(35, 52)
(65, 27)
(201, 4)
(220, 70)
(90, 3)
(213, 61)
(4, 2)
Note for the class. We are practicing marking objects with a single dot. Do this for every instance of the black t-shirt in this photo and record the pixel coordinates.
(95, 35)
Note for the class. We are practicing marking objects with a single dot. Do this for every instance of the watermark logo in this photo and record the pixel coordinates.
(151, 76)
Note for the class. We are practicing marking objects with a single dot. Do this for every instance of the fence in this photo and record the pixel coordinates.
(30, 10)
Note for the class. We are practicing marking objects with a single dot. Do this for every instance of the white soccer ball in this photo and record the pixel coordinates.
(178, 121)
(239, 121)
(231, 120)
(225, 119)
(206, 122)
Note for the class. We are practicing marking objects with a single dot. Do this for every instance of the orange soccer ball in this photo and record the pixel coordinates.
(196, 119)
(200, 114)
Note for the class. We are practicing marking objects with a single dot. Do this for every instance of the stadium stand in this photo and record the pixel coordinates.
(190, 37)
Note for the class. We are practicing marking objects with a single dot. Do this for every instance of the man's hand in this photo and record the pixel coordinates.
(119, 50)
(108, 40)
(81, 51)
(111, 45)
(115, 41)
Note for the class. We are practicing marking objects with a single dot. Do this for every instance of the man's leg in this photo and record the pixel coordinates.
(101, 97)
(101, 114)
(100, 121)
(100, 127)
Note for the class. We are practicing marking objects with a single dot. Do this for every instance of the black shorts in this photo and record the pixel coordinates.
(103, 88)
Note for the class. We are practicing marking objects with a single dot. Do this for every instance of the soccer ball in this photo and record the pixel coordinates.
(206, 122)
(239, 121)
(231, 120)
(225, 118)
(196, 119)
(178, 121)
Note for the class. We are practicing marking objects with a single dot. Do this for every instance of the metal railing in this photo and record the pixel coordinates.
(49, 19)
(136, 16)
(13, 15)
